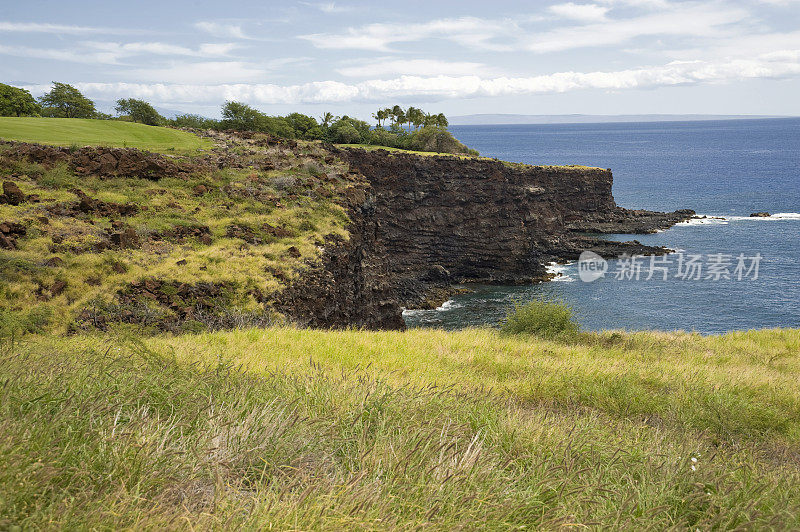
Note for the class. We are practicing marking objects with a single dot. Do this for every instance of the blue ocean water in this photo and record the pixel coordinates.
(724, 169)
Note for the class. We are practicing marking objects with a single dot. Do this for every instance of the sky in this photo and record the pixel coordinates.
(457, 57)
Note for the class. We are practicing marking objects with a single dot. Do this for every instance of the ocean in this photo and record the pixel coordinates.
(745, 271)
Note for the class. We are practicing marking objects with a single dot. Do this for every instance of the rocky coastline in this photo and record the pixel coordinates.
(445, 221)
(419, 225)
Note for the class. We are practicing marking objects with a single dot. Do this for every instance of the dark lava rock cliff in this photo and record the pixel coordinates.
(446, 220)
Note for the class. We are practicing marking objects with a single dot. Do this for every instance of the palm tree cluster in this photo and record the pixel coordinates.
(411, 117)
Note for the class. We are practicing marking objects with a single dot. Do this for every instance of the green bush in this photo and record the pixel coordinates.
(541, 317)
(194, 121)
(437, 139)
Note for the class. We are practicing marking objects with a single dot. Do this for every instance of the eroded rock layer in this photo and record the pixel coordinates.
(445, 220)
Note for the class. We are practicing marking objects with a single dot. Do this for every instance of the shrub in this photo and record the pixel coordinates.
(345, 134)
(381, 137)
(438, 139)
(194, 121)
(541, 317)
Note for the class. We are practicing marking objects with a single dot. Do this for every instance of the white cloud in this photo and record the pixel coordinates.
(582, 12)
(203, 72)
(222, 30)
(328, 7)
(36, 27)
(693, 20)
(785, 63)
(468, 31)
(72, 56)
(111, 53)
(158, 48)
(412, 67)
(587, 25)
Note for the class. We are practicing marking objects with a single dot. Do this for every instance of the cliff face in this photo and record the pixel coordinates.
(423, 223)
(446, 220)
(477, 219)
(351, 285)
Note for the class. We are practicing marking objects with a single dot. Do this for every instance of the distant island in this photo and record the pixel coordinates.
(507, 119)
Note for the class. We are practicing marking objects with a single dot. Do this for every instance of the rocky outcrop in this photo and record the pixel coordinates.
(446, 220)
(9, 232)
(106, 162)
(351, 285)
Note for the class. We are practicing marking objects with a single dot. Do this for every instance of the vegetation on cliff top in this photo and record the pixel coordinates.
(429, 131)
(283, 428)
(81, 250)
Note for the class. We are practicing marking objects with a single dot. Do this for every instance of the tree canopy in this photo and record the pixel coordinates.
(65, 101)
(17, 102)
(139, 111)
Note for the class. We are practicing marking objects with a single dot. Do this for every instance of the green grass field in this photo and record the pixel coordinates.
(370, 147)
(298, 429)
(74, 131)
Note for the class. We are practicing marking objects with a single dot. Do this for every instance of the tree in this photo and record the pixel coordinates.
(415, 116)
(398, 115)
(345, 133)
(327, 119)
(17, 102)
(194, 121)
(305, 126)
(441, 120)
(65, 101)
(240, 116)
(139, 111)
(380, 115)
(437, 139)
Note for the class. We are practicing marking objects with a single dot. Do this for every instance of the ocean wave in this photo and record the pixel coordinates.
(704, 220)
(725, 220)
(558, 271)
(776, 216)
(449, 305)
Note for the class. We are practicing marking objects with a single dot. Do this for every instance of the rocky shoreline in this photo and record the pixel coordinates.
(427, 224)
(419, 225)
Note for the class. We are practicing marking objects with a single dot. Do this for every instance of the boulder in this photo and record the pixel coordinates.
(763, 214)
(12, 194)
(54, 262)
(9, 232)
(57, 288)
(126, 239)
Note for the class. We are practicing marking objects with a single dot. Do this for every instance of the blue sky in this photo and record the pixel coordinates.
(462, 57)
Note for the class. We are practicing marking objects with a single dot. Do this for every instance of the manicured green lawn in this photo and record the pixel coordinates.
(69, 131)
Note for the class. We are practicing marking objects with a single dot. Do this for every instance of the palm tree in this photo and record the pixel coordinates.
(441, 120)
(415, 116)
(397, 114)
(400, 118)
(326, 119)
(380, 116)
